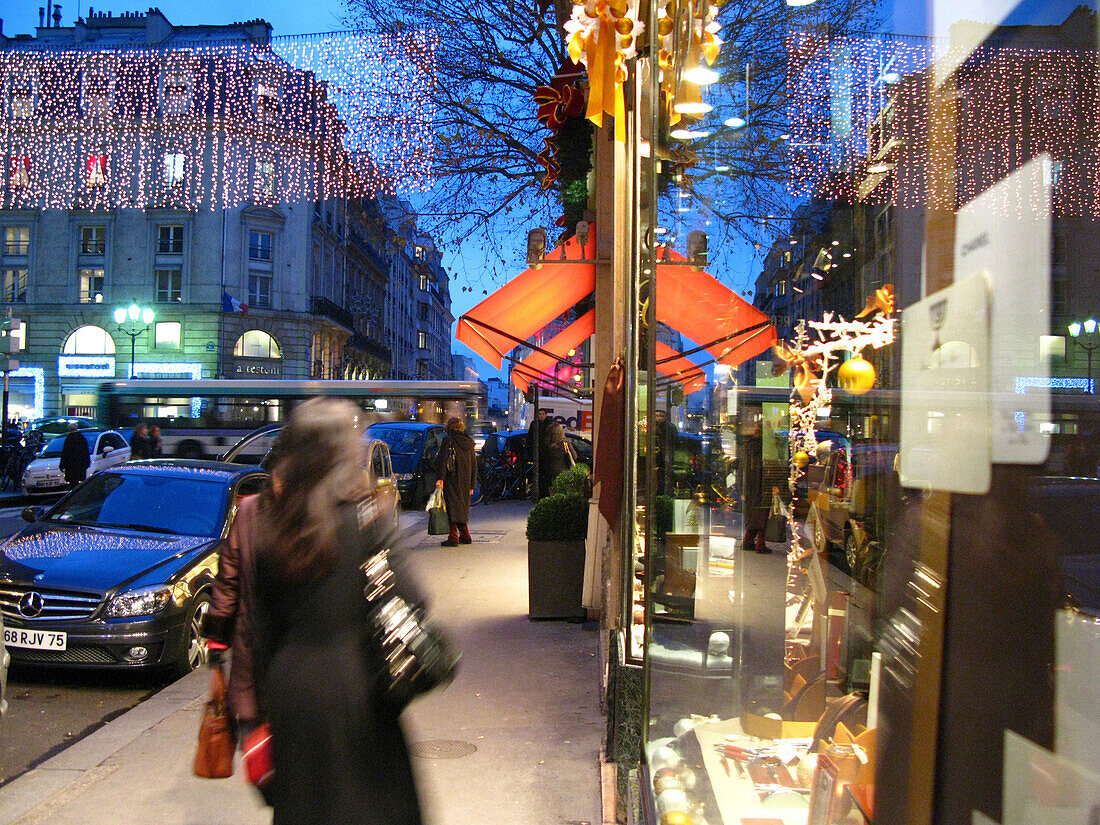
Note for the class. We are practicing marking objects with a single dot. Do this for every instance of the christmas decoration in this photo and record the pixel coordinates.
(817, 345)
(559, 102)
(860, 109)
(214, 126)
(601, 34)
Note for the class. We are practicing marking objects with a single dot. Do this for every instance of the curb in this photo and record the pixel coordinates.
(60, 773)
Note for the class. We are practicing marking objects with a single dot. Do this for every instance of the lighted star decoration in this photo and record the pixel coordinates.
(216, 126)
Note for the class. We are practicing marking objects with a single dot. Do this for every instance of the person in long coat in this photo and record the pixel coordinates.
(754, 508)
(75, 456)
(457, 477)
(228, 622)
(338, 752)
(560, 456)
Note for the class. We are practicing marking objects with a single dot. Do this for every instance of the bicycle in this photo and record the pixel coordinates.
(504, 477)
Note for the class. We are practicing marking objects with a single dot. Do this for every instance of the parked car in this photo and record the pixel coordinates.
(106, 448)
(51, 428)
(255, 448)
(414, 446)
(118, 573)
(515, 442)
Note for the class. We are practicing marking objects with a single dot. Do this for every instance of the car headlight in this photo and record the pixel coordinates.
(404, 476)
(139, 602)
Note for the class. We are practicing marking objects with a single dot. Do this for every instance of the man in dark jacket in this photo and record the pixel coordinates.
(75, 456)
(457, 477)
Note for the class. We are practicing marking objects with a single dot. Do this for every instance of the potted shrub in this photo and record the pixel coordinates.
(556, 530)
(573, 480)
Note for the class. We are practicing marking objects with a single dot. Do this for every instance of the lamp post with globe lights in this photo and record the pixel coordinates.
(1088, 328)
(133, 321)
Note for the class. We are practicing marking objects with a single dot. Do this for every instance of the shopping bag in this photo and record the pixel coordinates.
(256, 756)
(438, 523)
(776, 527)
(214, 756)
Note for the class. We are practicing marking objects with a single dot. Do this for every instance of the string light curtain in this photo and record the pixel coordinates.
(307, 118)
(859, 109)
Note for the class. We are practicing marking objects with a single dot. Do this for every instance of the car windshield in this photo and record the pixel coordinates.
(54, 448)
(399, 440)
(146, 502)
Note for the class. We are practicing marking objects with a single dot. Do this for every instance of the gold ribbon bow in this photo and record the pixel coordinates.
(805, 372)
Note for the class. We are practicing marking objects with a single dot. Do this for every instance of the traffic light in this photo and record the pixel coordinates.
(11, 330)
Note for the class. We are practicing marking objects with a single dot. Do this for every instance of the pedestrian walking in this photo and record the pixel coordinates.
(338, 752)
(457, 477)
(156, 448)
(141, 446)
(560, 454)
(75, 456)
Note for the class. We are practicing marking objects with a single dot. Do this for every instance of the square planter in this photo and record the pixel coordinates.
(555, 579)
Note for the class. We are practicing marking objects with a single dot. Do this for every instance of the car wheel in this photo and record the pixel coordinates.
(194, 653)
(852, 551)
(817, 531)
(189, 449)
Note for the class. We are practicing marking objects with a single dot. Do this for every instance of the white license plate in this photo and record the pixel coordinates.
(35, 639)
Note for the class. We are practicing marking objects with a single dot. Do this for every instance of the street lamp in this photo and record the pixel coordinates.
(1089, 328)
(133, 320)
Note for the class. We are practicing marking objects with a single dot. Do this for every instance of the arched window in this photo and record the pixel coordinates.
(89, 340)
(257, 344)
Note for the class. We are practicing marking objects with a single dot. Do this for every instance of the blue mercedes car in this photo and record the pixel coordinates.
(118, 573)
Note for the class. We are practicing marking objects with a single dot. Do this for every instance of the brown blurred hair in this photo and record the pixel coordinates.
(319, 464)
(456, 425)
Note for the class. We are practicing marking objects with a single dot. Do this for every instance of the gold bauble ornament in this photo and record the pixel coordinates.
(664, 26)
(676, 818)
(856, 375)
(624, 25)
(801, 459)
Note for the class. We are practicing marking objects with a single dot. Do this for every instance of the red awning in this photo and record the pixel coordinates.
(541, 364)
(678, 368)
(713, 316)
(530, 301)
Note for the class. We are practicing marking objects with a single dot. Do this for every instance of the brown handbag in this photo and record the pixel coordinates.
(214, 756)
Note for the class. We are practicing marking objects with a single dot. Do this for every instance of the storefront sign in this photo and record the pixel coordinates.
(256, 368)
(86, 366)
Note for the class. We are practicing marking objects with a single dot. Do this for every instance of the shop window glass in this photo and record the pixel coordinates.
(89, 340)
(255, 343)
(168, 335)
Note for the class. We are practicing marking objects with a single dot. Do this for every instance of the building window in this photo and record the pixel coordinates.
(21, 99)
(177, 93)
(422, 312)
(259, 246)
(15, 285)
(265, 179)
(173, 168)
(91, 286)
(267, 103)
(17, 240)
(93, 240)
(259, 289)
(96, 95)
(167, 335)
(169, 285)
(19, 171)
(89, 341)
(423, 338)
(96, 169)
(170, 240)
(256, 343)
(424, 281)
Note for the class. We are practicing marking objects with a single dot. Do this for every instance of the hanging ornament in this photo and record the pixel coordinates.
(856, 375)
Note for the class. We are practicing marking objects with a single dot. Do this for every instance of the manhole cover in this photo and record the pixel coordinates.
(442, 749)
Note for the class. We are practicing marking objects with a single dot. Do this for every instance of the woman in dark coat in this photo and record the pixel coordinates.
(560, 453)
(754, 510)
(75, 456)
(457, 477)
(339, 755)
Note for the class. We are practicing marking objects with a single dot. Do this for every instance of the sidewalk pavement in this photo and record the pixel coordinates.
(514, 739)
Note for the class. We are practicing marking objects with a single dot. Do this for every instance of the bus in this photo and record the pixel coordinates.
(203, 418)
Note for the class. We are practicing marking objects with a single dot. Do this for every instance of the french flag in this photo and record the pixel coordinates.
(231, 304)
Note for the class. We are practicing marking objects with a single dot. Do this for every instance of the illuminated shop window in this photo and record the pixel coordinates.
(167, 335)
(256, 343)
(89, 340)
